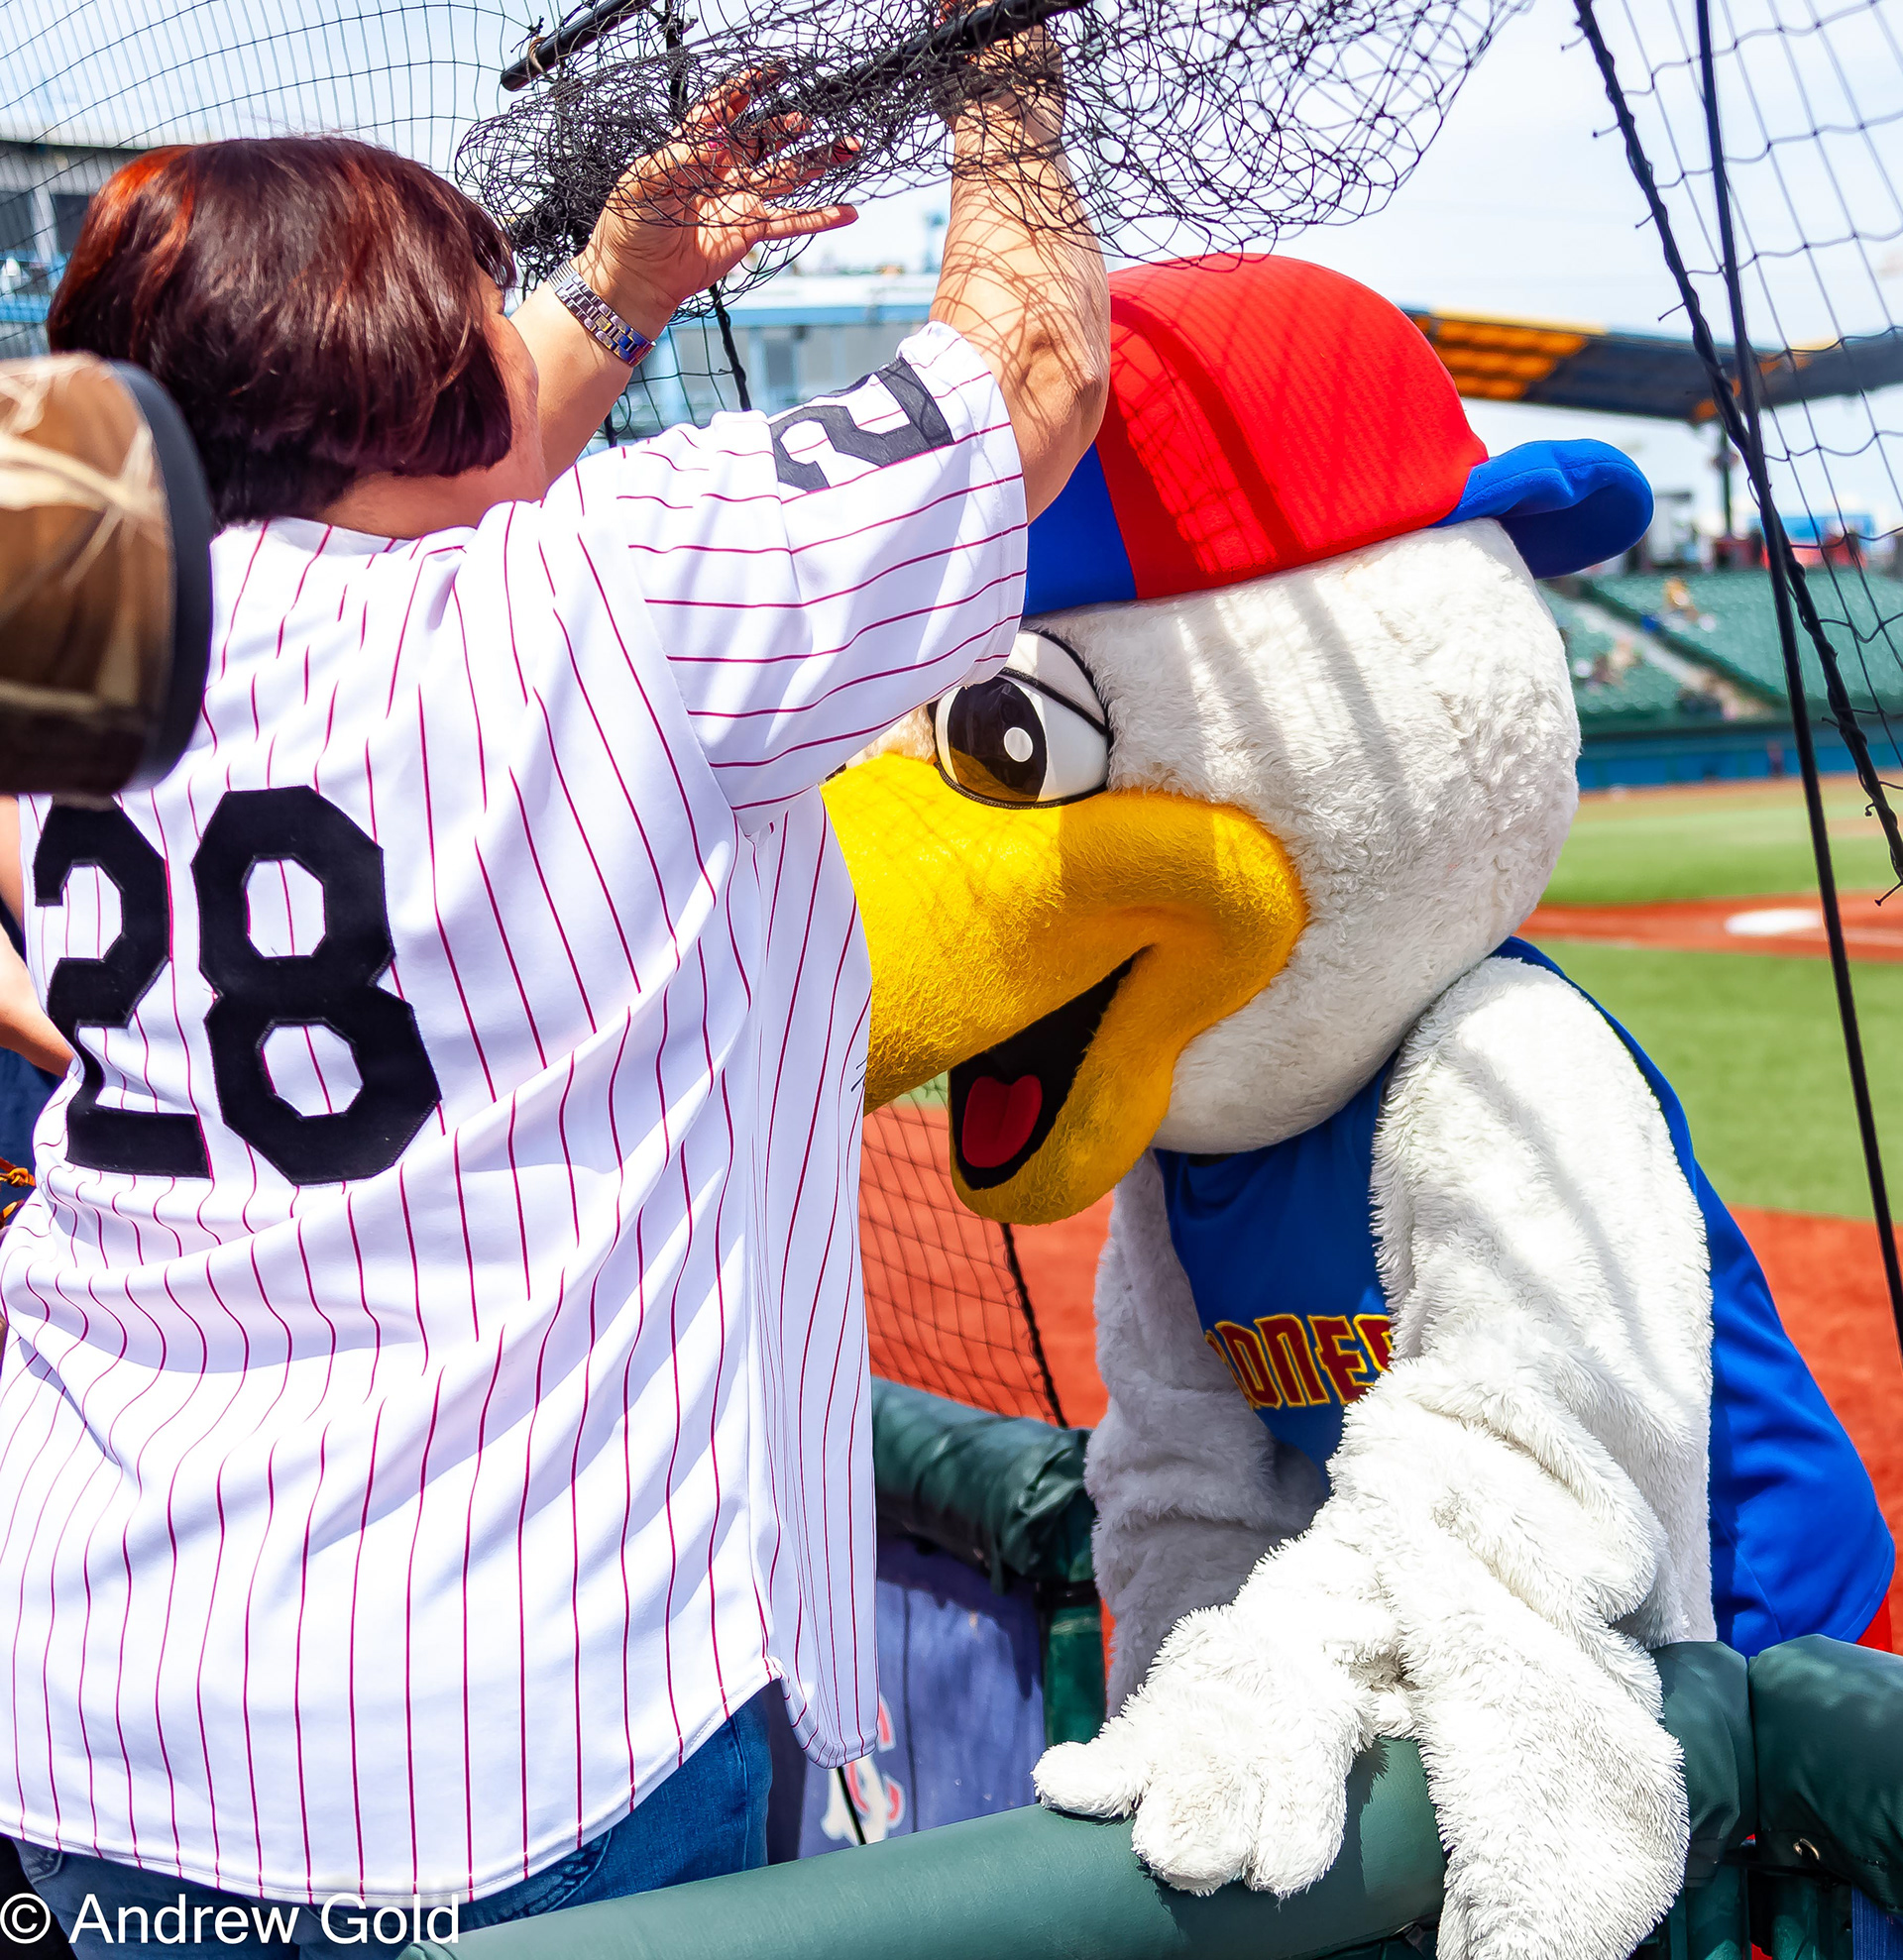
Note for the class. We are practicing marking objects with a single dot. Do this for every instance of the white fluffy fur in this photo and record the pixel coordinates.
(1191, 1488)
(1400, 719)
(1518, 1507)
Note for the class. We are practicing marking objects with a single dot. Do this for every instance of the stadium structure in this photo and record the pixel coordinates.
(45, 190)
(1674, 653)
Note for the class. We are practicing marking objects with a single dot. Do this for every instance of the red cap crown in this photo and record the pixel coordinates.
(1268, 413)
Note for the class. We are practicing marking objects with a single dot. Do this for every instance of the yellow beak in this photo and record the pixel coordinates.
(1057, 961)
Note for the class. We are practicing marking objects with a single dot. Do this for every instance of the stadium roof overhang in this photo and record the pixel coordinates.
(1560, 366)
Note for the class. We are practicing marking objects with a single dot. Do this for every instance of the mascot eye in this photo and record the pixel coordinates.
(1034, 734)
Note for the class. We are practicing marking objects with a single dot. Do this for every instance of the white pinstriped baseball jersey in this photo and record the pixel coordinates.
(435, 1392)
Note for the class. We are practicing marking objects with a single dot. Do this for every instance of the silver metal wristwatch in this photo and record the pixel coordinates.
(599, 319)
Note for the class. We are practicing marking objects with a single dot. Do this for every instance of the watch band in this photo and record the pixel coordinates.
(599, 320)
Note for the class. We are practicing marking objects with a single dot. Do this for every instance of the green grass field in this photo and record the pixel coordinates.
(1752, 1048)
(1751, 1043)
(1711, 843)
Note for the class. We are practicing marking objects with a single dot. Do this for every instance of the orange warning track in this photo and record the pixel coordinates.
(1790, 923)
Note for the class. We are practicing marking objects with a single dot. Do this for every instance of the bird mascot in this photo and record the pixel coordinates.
(1441, 1384)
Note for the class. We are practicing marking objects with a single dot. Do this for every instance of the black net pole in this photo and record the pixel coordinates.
(541, 56)
(1741, 418)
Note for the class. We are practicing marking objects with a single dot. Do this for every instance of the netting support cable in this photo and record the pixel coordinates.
(1726, 404)
(732, 350)
(1031, 1324)
(966, 34)
(540, 56)
(851, 1809)
(1741, 418)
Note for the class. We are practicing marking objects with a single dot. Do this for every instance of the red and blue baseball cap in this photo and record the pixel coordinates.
(1266, 413)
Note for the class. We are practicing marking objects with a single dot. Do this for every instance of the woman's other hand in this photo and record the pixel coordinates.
(686, 216)
(24, 1027)
(1023, 277)
(678, 221)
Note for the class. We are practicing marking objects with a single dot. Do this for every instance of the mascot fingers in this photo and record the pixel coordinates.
(1560, 1796)
(1234, 1752)
(1570, 1845)
(1235, 1769)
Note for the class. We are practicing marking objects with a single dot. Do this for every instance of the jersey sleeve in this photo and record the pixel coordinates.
(814, 576)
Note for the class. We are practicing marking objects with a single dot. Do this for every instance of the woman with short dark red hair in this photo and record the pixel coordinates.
(313, 304)
(434, 1395)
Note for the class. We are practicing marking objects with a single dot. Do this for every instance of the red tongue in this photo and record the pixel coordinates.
(999, 1120)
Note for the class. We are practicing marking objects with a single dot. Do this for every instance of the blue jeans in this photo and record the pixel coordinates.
(708, 1818)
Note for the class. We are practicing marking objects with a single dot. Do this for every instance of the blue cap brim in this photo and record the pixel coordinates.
(1564, 505)
(1074, 554)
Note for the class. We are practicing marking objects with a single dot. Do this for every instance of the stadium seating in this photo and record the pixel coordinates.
(1730, 624)
(1615, 697)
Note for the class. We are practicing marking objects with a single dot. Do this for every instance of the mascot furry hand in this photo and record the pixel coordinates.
(1442, 1386)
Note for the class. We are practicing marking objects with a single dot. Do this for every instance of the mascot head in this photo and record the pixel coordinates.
(1286, 744)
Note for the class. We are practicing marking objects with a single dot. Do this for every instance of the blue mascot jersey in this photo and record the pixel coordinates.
(1279, 1248)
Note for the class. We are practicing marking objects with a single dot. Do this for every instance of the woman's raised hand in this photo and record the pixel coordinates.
(687, 215)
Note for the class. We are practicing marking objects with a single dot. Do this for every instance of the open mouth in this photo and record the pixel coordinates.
(1005, 1101)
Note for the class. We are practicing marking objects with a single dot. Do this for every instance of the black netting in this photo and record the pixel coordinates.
(86, 84)
(1808, 121)
(946, 1301)
(1767, 137)
(690, 376)
(1189, 123)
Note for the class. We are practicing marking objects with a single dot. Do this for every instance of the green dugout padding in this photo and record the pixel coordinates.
(1006, 1495)
(1794, 1766)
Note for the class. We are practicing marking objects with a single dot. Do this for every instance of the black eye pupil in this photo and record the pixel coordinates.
(995, 741)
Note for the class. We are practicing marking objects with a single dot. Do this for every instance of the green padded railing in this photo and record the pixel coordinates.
(1004, 1494)
(1024, 1885)
(1795, 1766)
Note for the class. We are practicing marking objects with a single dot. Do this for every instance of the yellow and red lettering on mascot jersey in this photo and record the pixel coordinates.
(1296, 1313)
(1302, 1362)
(1279, 1246)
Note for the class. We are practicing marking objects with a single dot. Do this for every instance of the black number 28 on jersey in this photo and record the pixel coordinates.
(334, 986)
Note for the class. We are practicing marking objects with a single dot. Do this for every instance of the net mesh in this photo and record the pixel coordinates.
(1808, 102)
(85, 84)
(1190, 124)
(1764, 135)
(946, 1305)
